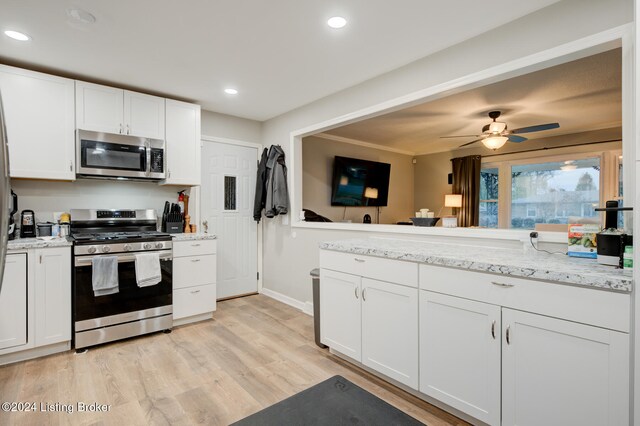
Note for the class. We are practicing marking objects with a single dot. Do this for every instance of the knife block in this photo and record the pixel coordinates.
(172, 227)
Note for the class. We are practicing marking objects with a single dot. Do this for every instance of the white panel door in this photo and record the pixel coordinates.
(340, 313)
(13, 302)
(557, 372)
(227, 194)
(53, 295)
(99, 108)
(39, 115)
(182, 135)
(460, 354)
(143, 115)
(390, 330)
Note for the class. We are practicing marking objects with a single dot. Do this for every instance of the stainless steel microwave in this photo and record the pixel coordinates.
(109, 156)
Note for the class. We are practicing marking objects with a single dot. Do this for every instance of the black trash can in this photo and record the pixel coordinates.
(315, 278)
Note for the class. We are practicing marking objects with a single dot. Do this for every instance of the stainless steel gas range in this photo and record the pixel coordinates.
(121, 235)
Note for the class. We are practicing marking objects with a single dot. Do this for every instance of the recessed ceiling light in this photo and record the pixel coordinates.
(81, 16)
(337, 22)
(17, 35)
(230, 91)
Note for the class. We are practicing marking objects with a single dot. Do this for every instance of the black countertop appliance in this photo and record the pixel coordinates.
(611, 241)
(27, 224)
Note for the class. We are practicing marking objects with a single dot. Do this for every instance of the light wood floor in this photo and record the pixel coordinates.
(254, 353)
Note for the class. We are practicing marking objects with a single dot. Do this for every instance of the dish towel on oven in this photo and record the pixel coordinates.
(104, 276)
(148, 269)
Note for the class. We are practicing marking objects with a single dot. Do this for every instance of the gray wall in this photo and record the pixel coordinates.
(289, 253)
(317, 169)
(230, 127)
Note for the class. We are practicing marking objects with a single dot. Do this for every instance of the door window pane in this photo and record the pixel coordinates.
(230, 193)
(553, 192)
(489, 197)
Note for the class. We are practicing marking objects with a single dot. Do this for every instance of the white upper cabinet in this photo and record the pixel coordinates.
(39, 115)
(99, 108)
(182, 131)
(111, 110)
(143, 115)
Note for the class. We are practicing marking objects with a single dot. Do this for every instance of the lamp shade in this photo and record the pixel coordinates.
(453, 200)
(371, 192)
(495, 142)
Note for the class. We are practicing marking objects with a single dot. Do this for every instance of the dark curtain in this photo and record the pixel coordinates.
(466, 181)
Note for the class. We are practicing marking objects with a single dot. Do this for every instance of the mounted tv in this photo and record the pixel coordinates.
(359, 183)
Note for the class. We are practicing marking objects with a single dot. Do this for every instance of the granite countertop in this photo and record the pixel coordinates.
(193, 237)
(516, 263)
(31, 243)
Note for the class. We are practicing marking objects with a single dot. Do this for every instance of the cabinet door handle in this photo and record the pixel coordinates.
(358, 260)
(355, 291)
(364, 292)
(508, 336)
(127, 129)
(121, 129)
(502, 284)
(195, 291)
(70, 166)
(40, 259)
(493, 330)
(195, 260)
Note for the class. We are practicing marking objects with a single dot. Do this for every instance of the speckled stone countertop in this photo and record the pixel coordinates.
(516, 263)
(31, 243)
(193, 237)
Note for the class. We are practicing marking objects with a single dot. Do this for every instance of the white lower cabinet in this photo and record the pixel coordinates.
(194, 280)
(52, 295)
(371, 321)
(390, 330)
(460, 354)
(557, 372)
(551, 371)
(340, 315)
(13, 302)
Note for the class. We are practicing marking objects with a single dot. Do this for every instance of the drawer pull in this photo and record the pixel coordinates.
(195, 291)
(508, 336)
(359, 260)
(493, 330)
(195, 260)
(195, 245)
(502, 284)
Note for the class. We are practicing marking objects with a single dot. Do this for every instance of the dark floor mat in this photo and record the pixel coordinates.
(335, 401)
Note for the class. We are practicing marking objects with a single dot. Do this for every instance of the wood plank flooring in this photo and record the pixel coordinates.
(255, 352)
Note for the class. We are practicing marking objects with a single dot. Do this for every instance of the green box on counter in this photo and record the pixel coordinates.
(582, 240)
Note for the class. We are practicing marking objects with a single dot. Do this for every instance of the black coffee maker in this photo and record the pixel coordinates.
(611, 241)
(14, 210)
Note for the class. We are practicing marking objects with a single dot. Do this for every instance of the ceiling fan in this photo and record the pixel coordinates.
(495, 134)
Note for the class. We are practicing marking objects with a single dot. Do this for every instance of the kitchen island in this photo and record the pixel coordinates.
(489, 334)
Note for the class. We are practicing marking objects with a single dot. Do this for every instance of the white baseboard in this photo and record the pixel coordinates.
(301, 306)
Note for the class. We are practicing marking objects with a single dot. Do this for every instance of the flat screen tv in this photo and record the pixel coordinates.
(359, 183)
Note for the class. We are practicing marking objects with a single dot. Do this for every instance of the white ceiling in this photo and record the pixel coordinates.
(581, 95)
(279, 54)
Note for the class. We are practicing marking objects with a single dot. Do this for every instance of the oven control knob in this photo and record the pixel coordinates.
(106, 249)
(159, 245)
(147, 246)
(91, 250)
(127, 247)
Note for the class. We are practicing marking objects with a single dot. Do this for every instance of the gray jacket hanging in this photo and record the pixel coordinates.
(276, 187)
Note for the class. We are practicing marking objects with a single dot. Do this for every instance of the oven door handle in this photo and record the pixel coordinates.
(122, 258)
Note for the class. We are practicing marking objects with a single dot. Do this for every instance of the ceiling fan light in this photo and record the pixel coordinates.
(497, 127)
(495, 142)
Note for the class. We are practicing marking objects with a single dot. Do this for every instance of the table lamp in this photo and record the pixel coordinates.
(453, 201)
(372, 194)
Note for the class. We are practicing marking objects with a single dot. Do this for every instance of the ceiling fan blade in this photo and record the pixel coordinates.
(459, 136)
(517, 139)
(472, 142)
(536, 128)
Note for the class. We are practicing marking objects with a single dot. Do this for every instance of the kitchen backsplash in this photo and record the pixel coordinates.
(47, 197)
